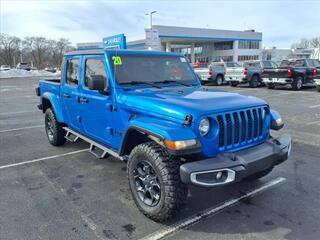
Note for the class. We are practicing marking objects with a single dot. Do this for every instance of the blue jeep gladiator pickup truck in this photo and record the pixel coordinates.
(149, 109)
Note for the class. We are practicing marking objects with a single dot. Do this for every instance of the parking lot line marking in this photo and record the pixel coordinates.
(22, 128)
(314, 106)
(210, 212)
(42, 159)
(11, 113)
(314, 122)
(25, 96)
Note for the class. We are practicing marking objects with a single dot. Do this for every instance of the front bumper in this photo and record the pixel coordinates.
(233, 167)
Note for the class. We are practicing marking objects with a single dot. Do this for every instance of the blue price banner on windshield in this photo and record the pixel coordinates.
(115, 42)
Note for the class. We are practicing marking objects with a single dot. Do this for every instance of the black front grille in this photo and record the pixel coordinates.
(240, 126)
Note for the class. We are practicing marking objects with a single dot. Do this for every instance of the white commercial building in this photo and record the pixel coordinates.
(200, 44)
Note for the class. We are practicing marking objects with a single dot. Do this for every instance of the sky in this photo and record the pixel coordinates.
(281, 22)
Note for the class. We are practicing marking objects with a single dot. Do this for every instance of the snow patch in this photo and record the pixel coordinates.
(16, 73)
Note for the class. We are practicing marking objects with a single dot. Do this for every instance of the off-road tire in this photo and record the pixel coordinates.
(173, 192)
(258, 175)
(233, 83)
(57, 138)
(219, 80)
(297, 83)
(271, 85)
(254, 82)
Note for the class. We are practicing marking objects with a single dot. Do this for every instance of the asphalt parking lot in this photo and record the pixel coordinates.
(66, 193)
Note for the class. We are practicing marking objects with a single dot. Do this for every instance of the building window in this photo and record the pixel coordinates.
(223, 45)
(222, 58)
(248, 44)
(247, 57)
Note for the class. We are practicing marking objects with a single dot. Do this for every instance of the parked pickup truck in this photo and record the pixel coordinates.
(149, 109)
(250, 73)
(214, 73)
(296, 72)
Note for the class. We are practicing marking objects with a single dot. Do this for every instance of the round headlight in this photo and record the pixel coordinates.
(204, 126)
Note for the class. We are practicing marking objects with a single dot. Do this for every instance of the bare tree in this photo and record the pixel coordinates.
(9, 49)
(36, 48)
(58, 48)
(315, 42)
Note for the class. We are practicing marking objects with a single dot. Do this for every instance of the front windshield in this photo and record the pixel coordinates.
(151, 69)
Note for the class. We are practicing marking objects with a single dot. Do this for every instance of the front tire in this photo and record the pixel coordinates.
(318, 88)
(154, 181)
(54, 130)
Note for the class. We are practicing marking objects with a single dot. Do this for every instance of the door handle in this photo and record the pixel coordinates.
(66, 95)
(83, 100)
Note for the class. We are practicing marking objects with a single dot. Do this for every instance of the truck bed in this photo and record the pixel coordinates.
(49, 85)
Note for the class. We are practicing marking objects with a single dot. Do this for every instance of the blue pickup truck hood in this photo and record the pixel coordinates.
(177, 102)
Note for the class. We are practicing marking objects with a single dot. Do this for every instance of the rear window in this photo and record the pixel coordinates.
(316, 63)
(217, 64)
(251, 64)
(293, 63)
(232, 64)
(267, 64)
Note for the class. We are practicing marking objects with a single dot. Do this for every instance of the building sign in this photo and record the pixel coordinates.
(152, 39)
(115, 42)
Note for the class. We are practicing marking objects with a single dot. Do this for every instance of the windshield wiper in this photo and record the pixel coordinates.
(174, 81)
(140, 82)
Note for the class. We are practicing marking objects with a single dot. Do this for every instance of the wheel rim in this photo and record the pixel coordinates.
(147, 184)
(255, 81)
(219, 80)
(49, 128)
(299, 83)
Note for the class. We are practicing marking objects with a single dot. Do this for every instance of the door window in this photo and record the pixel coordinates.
(72, 72)
(95, 67)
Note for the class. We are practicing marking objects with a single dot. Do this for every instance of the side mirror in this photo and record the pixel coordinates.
(97, 82)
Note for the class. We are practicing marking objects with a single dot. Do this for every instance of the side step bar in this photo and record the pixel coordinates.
(96, 149)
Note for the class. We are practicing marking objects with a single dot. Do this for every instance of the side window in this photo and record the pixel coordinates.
(73, 72)
(95, 67)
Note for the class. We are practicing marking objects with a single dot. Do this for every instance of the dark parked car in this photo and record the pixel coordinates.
(24, 66)
(295, 72)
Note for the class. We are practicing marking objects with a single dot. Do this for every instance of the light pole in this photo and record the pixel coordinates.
(150, 14)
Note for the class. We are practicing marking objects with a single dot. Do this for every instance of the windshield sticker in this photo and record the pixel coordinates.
(182, 59)
(116, 60)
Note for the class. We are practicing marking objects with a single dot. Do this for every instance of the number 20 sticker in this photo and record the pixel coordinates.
(116, 60)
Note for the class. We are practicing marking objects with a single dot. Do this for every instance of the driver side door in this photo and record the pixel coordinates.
(96, 107)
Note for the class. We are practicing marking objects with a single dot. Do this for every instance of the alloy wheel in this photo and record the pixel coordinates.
(147, 184)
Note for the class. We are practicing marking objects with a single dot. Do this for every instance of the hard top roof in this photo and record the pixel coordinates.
(102, 51)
